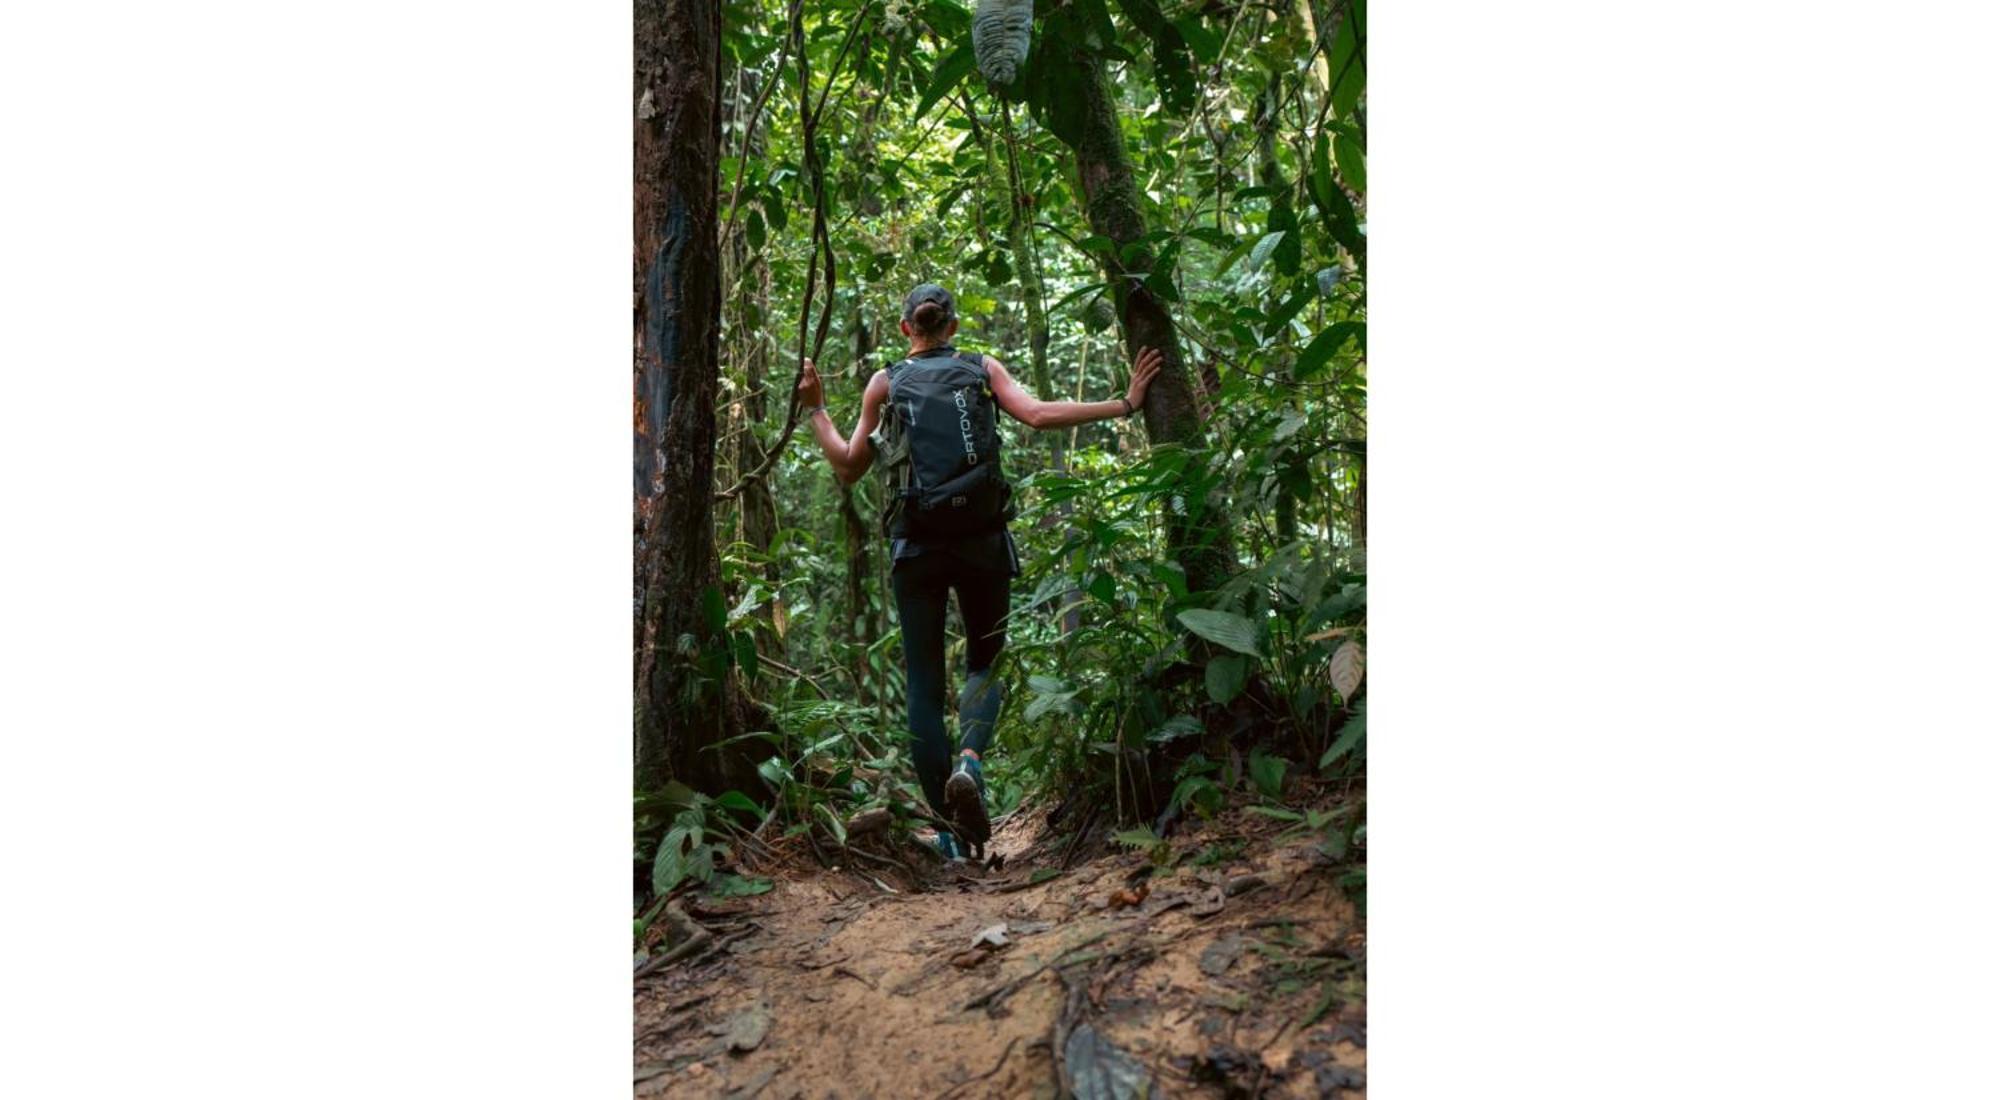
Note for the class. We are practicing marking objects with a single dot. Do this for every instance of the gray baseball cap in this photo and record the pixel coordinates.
(929, 292)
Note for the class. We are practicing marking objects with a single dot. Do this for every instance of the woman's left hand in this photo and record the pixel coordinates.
(1144, 370)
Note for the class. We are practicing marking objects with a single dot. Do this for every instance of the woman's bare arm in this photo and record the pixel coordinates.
(1043, 415)
(851, 457)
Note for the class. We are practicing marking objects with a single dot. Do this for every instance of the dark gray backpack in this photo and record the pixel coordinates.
(941, 450)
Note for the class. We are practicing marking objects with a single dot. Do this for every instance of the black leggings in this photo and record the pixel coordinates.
(921, 585)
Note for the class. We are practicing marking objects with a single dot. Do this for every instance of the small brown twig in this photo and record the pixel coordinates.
(857, 977)
(981, 1077)
(992, 997)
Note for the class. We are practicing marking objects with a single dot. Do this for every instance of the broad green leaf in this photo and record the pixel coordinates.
(1267, 772)
(1104, 589)
(1353, 166)
(714, 611)
(1205, 44)
(1226, 675)
(1324, 346)
(1224, 628)
(1264, 248)
(737, 800)
(1347, 64)
(669, 862)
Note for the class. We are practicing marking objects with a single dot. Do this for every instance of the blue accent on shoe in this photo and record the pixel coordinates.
(947, 846)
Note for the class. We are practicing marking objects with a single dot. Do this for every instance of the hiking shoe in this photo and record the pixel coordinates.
(947, 846)
(965, 805)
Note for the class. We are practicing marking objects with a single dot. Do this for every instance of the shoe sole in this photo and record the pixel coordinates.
(967, 812)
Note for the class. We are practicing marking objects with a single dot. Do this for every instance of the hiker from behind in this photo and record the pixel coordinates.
(946, 518)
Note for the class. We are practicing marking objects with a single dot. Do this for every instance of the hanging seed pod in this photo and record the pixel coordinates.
(1098, 315)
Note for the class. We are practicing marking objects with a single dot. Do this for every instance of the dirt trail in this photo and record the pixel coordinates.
(1239, 972)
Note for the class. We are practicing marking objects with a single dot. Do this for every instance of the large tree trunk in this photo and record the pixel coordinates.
(686, 699)
(1198, 533)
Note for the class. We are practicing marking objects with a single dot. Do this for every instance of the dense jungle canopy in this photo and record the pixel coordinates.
(1089, 177)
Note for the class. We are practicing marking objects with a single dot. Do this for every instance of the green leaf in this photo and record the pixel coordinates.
(1045, 704)
(667, 861)
(775, 209)
(951, 196)
(1267, 772)
(833, 823)
(746, 653)
(1043, 874)
(1288, 311)
(1224, 628)
(1180, 725)
(1104, 589)
(1277, 812)
(714, 611)
(1321, 351)
(737, 800)
(1137, 838)
(753, 224)
(1241, 250)
(1321, 184)
(1353, 166)
(1351, 733)
(1199, 792)
(1264, 248)
(736, 886)
(1346, 65)
(949, 72)
(1204, 42)
(1225, 676)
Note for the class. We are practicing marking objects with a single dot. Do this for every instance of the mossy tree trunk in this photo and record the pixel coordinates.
(1172, 411)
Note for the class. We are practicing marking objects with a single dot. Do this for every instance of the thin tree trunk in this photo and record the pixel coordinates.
(685, 701)
(862, 627)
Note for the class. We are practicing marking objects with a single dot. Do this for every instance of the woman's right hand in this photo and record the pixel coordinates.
(810, 394)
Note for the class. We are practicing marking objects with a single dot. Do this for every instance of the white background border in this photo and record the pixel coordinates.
(314, 462)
